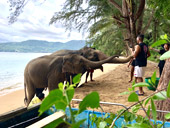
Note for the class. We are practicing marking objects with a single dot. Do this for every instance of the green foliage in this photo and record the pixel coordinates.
(167, 116)
(160, 96)
(153, 78)
(139, 125)
(159, 42)
(142, 84)
(154, 113)
(55, 97)
(165, 56)
(77, 124)
(133, 97)
(168, 90)
(77, 79)
(62, 97)
(91, 100)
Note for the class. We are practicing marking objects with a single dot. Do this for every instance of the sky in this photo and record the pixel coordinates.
(33, 23)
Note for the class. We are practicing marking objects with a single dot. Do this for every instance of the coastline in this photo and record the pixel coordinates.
(15, 99)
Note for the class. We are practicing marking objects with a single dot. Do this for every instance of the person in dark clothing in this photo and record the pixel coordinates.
(161, 52)
(141, 54)
(91, 71)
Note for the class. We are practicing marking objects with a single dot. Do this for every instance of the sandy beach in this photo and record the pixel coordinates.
(15, 99)
(109, 84)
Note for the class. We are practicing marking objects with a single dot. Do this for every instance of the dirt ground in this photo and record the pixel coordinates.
(110, 85)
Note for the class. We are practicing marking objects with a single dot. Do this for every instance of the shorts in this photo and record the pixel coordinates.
(92, 70)
(139, 71)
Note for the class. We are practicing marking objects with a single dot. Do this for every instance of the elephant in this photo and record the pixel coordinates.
(47, 71)
(91, 54)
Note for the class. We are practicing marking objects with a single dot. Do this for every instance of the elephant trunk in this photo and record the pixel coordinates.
(121, 60)
(97, 64)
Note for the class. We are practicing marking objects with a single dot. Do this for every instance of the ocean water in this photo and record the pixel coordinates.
(12, 67)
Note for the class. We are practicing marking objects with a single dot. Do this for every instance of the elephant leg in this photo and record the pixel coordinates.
(31, 93)
(53, 81)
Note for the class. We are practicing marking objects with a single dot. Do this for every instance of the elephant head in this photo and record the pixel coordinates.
(78, 64)
(96, 55)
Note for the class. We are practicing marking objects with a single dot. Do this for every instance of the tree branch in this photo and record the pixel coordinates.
(140, 9)
(118, 19)
(116, 5)
(146, 114)
(149, 22)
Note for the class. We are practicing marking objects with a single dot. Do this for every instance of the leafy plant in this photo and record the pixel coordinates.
(62, 97)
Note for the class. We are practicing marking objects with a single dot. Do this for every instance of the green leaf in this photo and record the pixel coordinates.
(77, 124)
(124, 93)
(91, 100)
(139, 125)
(160, 96)
(148, 111)
(164, 37)
(130, 89)
(146, 102)
(153, 78)
(55, 123)
(110, 119)
(159, 42)
(136, 108)
(53, 97)
(70, 93)
(133, 97)
(154, 113)
(142, 84)
(61, 104)
(165, 56)
(168, 90)
(93, 118)
(102, 124)
(139, 119)
(77, 79)
(167, 116)
(61, 86)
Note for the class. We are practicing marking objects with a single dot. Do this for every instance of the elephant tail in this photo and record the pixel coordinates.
(25, 99)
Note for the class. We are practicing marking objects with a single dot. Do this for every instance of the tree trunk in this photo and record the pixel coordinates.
(139, 25)
(163, 83)
(155, 30)
(132, 25)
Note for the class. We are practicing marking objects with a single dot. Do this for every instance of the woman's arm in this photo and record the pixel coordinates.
(156, 50)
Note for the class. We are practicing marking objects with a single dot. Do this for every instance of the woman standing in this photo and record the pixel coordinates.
(161, 52)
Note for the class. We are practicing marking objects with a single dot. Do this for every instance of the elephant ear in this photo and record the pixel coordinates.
(72, 64)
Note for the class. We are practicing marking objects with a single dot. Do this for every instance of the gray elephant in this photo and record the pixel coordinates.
(48, 71)
(91, 54)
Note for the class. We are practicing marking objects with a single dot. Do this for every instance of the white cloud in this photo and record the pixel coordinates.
(33, 23)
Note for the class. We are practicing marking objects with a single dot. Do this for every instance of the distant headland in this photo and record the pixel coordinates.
(38, 46)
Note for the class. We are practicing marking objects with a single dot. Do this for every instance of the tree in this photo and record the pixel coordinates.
(81, 14)
(125, 13)
(163, 83)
